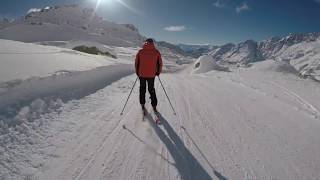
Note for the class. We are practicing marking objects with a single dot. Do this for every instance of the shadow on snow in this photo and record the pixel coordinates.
(187, 165)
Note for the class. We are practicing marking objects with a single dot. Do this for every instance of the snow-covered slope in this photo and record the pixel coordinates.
(248, 123)
(70, 22)
(18, 60)
(252, 123)
(33, 73)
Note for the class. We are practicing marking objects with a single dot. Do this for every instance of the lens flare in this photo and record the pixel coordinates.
(99, 3)
(129, 7)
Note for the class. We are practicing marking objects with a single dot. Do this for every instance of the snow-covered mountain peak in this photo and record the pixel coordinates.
(68, 14)
(70, 22)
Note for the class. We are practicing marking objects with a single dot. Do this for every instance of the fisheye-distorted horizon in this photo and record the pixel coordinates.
(197, 22)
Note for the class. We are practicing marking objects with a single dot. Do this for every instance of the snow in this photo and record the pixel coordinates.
(251, 123)
(305, 57)
(33, 10)
(48, 59)
(296, 53)
(123, 54)
(36, 79)
(261, 126)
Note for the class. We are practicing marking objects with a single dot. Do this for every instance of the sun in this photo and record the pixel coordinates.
(105, 2)
(111, 3)
(99, 3)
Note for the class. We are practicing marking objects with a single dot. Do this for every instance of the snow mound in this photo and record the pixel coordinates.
(207, 63)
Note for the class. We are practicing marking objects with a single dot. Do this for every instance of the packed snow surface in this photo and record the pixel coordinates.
(60, 113)
(251, 123)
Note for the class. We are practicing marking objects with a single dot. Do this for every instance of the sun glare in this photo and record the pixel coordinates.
(110, 3)
(104, 2)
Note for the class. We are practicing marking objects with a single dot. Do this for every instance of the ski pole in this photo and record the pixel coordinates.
(129, 96)
(174, 112)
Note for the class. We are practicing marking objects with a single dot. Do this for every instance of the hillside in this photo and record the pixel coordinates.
(70, 22)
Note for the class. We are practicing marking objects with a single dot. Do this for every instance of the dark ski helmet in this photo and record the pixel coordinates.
(149, 40)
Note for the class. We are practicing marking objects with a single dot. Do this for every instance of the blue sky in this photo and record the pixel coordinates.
(198, 21)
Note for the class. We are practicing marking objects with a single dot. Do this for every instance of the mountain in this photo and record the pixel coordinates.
(4, 22)
(172, 47)
(173, 53)
(196, 50)
(244, 52)
(70, 22)
(298, 53)
(252, 51)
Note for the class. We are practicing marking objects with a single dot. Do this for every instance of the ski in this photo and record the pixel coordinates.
(144, 113)
(157, 117)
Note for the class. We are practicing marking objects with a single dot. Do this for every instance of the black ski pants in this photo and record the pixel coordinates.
(151, 89)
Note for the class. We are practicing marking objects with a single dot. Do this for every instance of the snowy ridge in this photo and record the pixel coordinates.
(76, 23)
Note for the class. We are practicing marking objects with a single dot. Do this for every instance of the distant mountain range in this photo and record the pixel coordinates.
(252, 51)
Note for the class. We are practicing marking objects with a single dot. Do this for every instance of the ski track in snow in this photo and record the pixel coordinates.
(225, 128)
(303, 102)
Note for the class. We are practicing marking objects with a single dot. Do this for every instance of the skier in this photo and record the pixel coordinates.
(148, 65)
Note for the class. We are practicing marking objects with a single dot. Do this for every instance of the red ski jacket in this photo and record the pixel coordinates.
(148, 61)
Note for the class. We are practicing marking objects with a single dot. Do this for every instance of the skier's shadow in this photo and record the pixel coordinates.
(187, 165)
